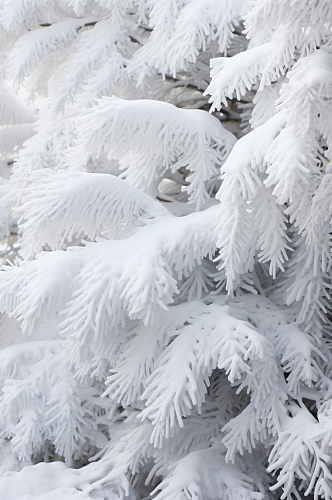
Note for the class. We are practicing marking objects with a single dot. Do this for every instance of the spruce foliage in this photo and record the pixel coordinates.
(165, 329)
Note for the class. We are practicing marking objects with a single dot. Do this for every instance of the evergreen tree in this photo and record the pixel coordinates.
(166, 327)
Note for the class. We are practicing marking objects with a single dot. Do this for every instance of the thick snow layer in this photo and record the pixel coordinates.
(48, 481)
